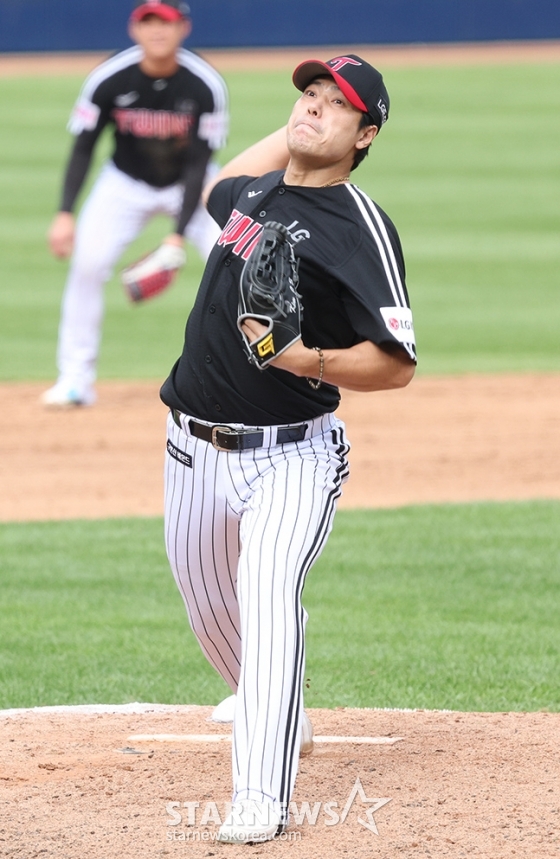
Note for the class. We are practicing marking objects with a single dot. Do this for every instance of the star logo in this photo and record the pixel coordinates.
(375, 805)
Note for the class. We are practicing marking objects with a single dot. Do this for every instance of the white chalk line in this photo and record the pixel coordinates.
(137, 708)
(226, 738)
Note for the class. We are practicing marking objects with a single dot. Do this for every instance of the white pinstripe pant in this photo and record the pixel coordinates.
(242, 531)
(114, 214)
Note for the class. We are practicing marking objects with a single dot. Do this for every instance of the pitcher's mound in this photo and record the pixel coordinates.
(74, 784)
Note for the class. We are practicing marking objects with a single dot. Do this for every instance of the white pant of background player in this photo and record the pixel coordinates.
(242, 531)
(114, 214)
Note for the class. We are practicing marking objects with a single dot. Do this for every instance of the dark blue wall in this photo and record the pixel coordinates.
(63, 25)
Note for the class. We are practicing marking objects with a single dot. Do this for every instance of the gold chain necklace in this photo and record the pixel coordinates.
(335, 181)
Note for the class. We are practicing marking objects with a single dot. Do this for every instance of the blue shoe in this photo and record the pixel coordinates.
(62, 396)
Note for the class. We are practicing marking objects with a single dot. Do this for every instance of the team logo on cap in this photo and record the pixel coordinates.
(339, 63)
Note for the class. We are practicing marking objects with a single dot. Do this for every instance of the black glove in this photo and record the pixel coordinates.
(268, 293)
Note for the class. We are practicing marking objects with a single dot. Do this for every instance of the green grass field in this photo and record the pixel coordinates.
(438, 607)
(447, 607)
(467, 167)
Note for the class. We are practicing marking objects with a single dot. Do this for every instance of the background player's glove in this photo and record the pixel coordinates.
(153, 273)
(268, 293)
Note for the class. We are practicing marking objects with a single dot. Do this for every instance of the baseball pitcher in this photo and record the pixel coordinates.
(303, 294)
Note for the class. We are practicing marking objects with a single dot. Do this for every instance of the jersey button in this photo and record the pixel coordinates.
(208, 359)
(212, 308)
(218, 407)
(281, 190)
(227, 262)
(262, 214)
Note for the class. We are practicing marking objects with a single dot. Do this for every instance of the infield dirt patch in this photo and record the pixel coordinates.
(258, 59)
(448, 439)
(479, 784)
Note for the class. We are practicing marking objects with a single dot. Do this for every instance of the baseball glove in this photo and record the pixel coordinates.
(153, 273)
(268, 293)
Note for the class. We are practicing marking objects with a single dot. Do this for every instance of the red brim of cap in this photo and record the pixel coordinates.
(311, 69)
(167, 13)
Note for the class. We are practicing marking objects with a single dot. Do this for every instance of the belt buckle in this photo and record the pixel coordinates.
(215, 430)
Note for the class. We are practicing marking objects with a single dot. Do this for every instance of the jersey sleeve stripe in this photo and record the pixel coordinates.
(390, 250)
(110, 67)
(391, 273)
(209, 75)
(214, 126)
(385, 248)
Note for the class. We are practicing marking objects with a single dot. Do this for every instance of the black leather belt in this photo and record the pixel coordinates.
(224, 438)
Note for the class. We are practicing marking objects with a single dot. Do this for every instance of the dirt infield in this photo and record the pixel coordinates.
(77, 785)
(449, 439)
(384, 56)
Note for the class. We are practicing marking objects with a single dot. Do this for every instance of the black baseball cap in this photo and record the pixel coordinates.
(361, 84)
(169, 10)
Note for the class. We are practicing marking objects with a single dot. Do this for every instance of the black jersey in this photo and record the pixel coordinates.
(161, 126)
(352, 283)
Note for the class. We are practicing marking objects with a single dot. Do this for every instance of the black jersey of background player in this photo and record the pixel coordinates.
(159, 123)
(351, 279)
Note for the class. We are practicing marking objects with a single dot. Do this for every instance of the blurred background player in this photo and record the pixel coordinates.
(169, 110)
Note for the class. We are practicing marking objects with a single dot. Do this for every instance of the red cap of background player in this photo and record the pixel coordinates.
(169, 10)
(361, 84)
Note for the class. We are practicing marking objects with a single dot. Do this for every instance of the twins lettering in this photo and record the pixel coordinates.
(162, 124)
(243, 233)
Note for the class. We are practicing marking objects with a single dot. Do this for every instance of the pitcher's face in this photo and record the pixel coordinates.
(324, 126)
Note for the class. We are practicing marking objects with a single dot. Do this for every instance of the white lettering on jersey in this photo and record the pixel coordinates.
(84, 116)
(253, 193)
(298, 235)
(399, 322)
